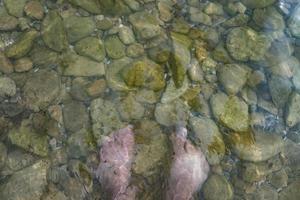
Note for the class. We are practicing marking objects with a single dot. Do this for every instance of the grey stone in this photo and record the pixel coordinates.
(7, 87)
(294, 22)
(268, 18)
(130, 109)
(280, 89)
(27, 184)
(75, 116)
(233, 77)
(126, 35)
(209, 138)
(105, 118)
(172, 113)
(293, 110)
(41, 88)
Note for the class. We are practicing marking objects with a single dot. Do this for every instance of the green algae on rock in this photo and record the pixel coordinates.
(243, 44)
(144, 73)
(53, 32)
(15, 7)
(7, 87)
(180, 58)
(217, 188)
(130, 109)
(230, 111)
(269, 18)
(26, 138)
(22, 46)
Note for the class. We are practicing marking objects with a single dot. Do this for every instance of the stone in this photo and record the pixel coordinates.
(145, 25)
(146, 96)
(180, 57)
(214, 9)
(105, 118)
(117, 8)
(170, 114)
(96, 88)
(126, 35)
(26, 138)
(34, 9)
(257, 3)
(265, 192)
(92, 6)
(75, 116)
(28, 183)
(23, 64)
(217, 188)
(280, 89)
(135, 50)
(91, 47)
(160, 53)
(41, 88)
(197, 16)
(233, 77)
(195, 72)
(22, 46)
(172, 92)
(54, 194)
(81, 143)
(114, 47)
(294, 22)
(15, 7)
(75, 65)
(8, 23)
(256, 172)
(268, 18)
(243, 44)
(78, 27)
(291, 191)
(278, 179)
(130, 109)
(114, 79)
(230, 111)
(293, 110)
(151, 159)
(43, 56)
(53, 32)
(255, 147)
(238, 20)
(144, 73)
(208, 137)
(7, 87)
(3, 155)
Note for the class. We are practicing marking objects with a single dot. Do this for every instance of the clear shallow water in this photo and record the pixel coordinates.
(73, 73)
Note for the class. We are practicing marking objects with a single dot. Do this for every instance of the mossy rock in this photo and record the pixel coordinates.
(144, 73)
(92, 6)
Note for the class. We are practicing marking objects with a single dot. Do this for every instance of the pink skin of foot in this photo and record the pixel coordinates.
(116, 157)
(189, 168)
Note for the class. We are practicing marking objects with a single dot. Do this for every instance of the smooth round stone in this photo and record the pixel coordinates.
(256, 147)
(114, 47)
(293, 110)
(23, 65)
(217, 188)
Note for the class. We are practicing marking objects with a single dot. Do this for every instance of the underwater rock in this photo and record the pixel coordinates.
(15, 7)
(257, 3)
(92, 6)
(217, 188)
(268, 18)
(41, 88)
(189, 169)
(7, 87)
(291, 191)
(294, 22)
(145, 74)
(91, 47)
(114, 47)
(209, 138)
(34, 9)
(53, 32)
(293, 110)
(22, 46)
(280, 89)
(114, 171)
(172, 92)
(28, 183)
(243, 44)
(130, 109)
